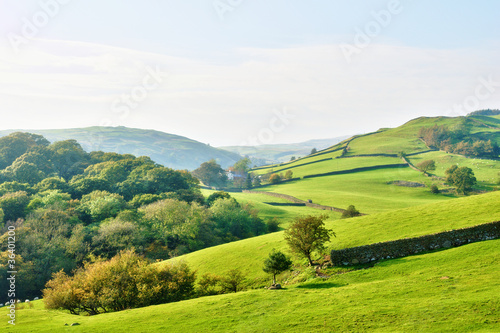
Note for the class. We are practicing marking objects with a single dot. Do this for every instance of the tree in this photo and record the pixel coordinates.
(351, 211)
(248, 181)
(101, 205)
(307, 235)
(69, 158)
(289, 174)
(16, 144)
(232, 281)
(14, 205)
(276, 263)
(275, 178)
(242, 166)
(217, 195)
(427, 165)
(211, 174)
(462, 177)
(313, 151)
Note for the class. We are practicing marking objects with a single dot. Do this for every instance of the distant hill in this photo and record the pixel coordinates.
(268, 154)
(170, 150)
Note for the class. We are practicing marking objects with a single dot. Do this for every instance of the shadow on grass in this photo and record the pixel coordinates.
(321, 285)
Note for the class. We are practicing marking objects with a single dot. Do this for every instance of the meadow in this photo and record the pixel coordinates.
(446, 291)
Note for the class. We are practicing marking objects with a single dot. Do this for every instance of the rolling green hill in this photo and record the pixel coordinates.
(361, 171)
(453, 290)
(273, 153)
(449, 290)
(170, 150)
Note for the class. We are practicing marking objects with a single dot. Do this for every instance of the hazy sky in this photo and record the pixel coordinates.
(230, 72)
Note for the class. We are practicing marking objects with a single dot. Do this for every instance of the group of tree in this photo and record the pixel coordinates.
(461, 177)
(129, 280)
(73, 205)
(306, 236)
(124, 282)
(236, 176)
(458, 140)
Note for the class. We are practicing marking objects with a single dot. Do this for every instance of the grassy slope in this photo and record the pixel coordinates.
(283, 213)
(486, 171)
(368, 190)
(338, 164)
(448, 291)
(249, 254)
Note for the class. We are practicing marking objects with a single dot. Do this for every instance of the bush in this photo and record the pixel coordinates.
(427, 165)
(351, 211)
(233, 281)
(124, 282)
(434, 189)
(275, 178)
(272, 225)
(209, 284)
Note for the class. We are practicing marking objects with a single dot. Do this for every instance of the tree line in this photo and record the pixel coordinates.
(69, 207)
(458, 140)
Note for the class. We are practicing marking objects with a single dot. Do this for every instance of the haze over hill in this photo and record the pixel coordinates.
(273, 153)
(170, 150)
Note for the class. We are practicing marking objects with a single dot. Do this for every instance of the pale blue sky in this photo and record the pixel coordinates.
(227, 74)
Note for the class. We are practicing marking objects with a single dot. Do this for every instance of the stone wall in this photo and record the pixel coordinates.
(408, 246)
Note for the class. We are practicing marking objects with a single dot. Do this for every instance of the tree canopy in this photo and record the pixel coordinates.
(307, 235)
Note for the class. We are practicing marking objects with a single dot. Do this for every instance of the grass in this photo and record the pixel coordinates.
(486, 171)
(447, 291)
(339, 164)
(249, 254)
(369, 191)
(283, 213)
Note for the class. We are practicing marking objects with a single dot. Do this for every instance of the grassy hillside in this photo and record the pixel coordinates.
(170, 150)
(447, 291)
(373, 191)
(266, 211)
(273, 153)
(369, 191)
(249, 254)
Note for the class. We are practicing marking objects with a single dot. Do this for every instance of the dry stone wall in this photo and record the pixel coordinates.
(408, 246)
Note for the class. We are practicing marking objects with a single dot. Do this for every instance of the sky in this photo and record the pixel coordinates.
(245, 72)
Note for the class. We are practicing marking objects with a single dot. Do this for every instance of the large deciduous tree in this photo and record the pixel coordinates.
(307, 235)
(462, 177)
(211, 174)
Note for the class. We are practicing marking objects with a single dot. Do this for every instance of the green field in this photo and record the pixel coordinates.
(486, 171)
(369, 191)
(283, 213)
(447, 291)
(452, 290)
(248, 255)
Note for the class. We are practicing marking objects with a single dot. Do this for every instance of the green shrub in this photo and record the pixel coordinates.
(126, 281)
(351, 211)
(434, 189)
